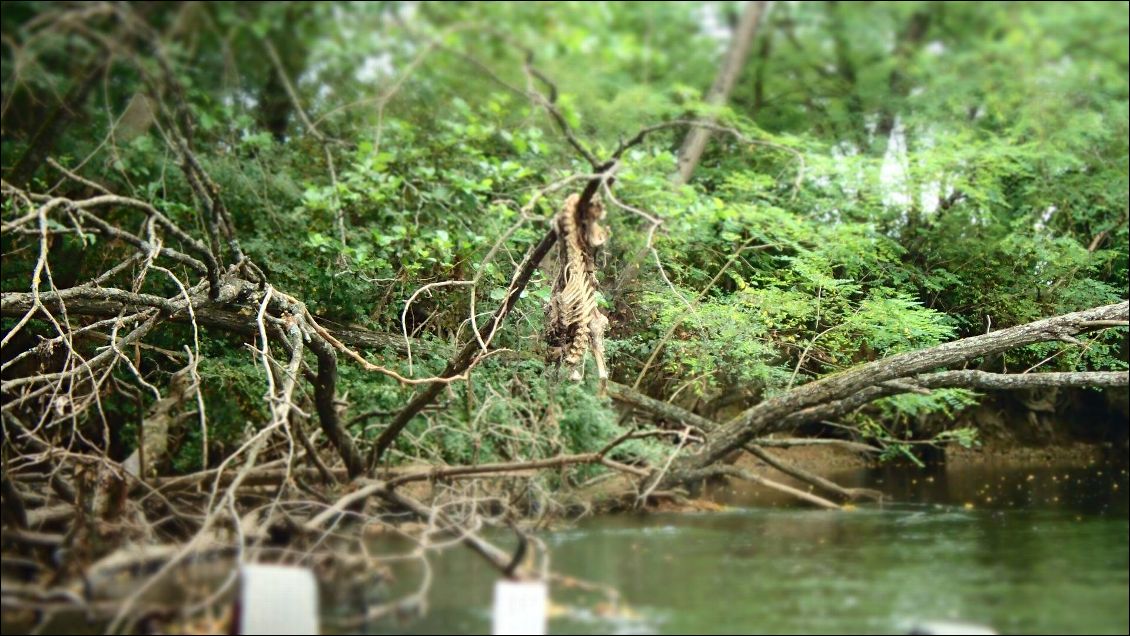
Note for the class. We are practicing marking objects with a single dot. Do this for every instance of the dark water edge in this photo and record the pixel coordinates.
(1023, 550)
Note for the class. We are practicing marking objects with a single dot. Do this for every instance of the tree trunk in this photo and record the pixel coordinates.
(695, 142)
(56, 122)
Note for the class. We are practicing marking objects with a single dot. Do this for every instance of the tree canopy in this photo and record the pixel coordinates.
(258, 183)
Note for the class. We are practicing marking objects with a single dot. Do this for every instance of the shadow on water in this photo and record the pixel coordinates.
(1022, 550)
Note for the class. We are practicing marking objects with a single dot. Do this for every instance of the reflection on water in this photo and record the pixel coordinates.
(1021, 550)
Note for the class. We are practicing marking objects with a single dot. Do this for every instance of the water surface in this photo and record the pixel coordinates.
(1021, 550)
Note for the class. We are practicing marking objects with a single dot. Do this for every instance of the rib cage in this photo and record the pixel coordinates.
(575, 322)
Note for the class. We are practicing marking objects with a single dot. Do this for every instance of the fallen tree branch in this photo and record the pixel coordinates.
(669, 411)
(229, 317)
(630, 396)
(826, 485)
(789, 442)
(849, 389)
(514, 467)
(745, 475)
(973, 379)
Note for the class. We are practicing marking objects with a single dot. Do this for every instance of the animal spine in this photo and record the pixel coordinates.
(575, 322)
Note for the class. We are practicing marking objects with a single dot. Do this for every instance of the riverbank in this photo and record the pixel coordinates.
(1021, 563)
(853, 469)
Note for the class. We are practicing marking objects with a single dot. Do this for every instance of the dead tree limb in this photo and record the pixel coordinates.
(808, 477)
(745, 475)
(631, 397)
(852, 388)
(972, 379)
(789, 442)
(627, 395)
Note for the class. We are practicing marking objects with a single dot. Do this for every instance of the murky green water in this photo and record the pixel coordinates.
(1022, 551)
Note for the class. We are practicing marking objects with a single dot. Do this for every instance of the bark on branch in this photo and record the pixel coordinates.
(971, 379)
(854, 387)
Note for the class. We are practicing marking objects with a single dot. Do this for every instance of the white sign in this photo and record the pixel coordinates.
(277, 599)
(520, 607)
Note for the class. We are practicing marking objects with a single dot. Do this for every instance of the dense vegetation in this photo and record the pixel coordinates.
(915, 172)
(883, 177)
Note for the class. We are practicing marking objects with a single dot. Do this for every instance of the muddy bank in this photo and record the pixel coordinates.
(1004, 455)
(829, 460)
(1044, 427)
(1043, 418)
(852, 469)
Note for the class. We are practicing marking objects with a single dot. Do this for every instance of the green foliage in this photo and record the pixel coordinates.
(892, 426)
(920, 172)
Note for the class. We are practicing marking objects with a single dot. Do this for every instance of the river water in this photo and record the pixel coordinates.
(1020, 550)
